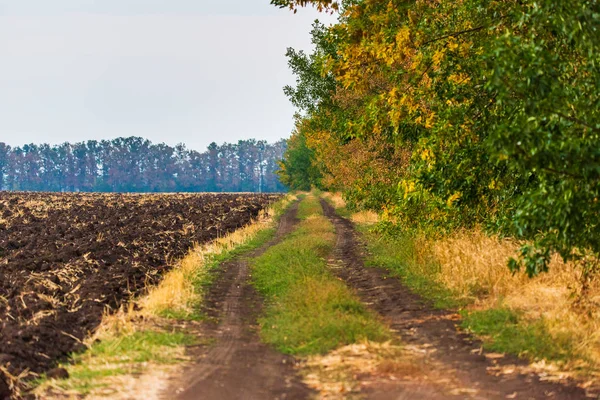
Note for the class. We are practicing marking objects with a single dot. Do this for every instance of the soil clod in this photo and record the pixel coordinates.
(5, 391)
(58, 373)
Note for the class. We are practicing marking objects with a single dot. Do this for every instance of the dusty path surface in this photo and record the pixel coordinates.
(456, 356)
(236, 365)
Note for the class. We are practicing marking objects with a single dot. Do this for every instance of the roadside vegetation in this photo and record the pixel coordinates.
(116, 364)
(489, 118)
(538, 318)
(313, 315)
(68, 257)
(471, 129)
(133, 348)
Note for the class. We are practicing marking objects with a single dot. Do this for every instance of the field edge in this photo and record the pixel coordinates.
(145, 341)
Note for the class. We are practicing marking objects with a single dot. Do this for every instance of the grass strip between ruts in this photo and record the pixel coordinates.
(309, 311)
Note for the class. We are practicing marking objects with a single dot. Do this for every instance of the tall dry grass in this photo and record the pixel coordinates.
(335, 198)
(366, 217)
(177, 291)
(474, 266)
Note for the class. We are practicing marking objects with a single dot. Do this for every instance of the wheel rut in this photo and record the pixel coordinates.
(236, 365)
(436, 336)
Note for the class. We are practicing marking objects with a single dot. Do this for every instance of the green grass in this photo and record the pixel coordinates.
(309, 206)
(506, 331)
(398, 255)
(205, 281)
(139, 347)
(205, 278)
(120, 356)
(308, 310)
(84, 380)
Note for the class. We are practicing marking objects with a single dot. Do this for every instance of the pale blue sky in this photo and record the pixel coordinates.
(191, 71)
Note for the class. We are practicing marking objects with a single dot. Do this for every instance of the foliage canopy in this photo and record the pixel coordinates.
(447, 114)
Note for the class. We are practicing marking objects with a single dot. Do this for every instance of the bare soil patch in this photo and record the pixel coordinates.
(455, 357)
(237, 365)
(67, 258)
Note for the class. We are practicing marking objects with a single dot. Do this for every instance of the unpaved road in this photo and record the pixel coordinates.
(237, 365)
(451, 353)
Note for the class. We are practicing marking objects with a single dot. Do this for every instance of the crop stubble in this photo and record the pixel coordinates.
(66, 258)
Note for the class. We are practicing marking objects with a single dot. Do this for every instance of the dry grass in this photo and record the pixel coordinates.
(361, 217)
(148, 386)
(334, 375)
(335, 198)
(15, 383)
(148, 381)
(177, 291)
(474, 266)
(365, 218)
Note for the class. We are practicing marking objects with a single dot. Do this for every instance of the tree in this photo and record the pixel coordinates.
(460, 113)
(4, 159)
(297, 169)
(320, 4)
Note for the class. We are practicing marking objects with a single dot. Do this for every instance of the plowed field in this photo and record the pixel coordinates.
(66, 258)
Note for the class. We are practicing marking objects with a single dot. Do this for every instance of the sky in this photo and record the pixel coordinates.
(172, 71)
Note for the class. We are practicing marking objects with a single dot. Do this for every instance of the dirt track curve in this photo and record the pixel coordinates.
(452, 352)
(237, 365)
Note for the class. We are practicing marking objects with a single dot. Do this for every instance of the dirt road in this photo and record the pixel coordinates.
(237, 365)
(449, 363)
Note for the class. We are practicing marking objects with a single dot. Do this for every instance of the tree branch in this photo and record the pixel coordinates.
(455, 34)
(576, 120)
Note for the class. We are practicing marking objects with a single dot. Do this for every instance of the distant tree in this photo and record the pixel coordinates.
(4, 159)
(135, 164)
(297, 167)
(213, 166)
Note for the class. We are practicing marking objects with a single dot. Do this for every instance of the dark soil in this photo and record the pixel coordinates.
(237, 365)
(67, 258)
(453, 352)
(5, 391)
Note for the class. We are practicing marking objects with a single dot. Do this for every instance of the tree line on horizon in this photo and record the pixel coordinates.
(135, 164)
